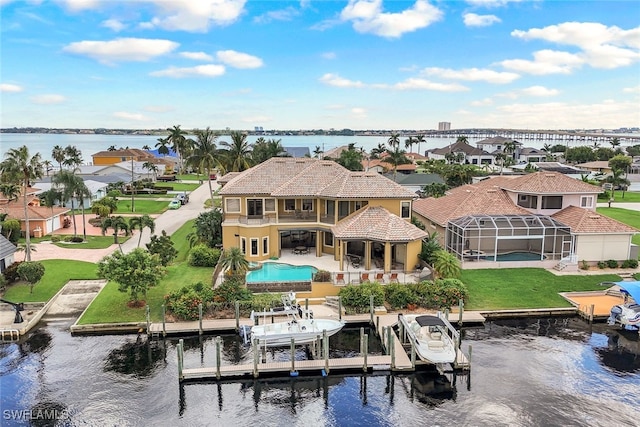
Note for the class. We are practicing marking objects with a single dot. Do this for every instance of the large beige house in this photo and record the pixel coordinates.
(318, 206)
(545, 218)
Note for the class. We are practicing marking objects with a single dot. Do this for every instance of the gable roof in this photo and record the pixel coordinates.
(459, 146)
(498, 140)
(16, 211)
(6, 247)
(467, 200)
(129, 152)
(585, 221)
(549, 183)
(421, 179)
(376, 223)
(295, 177)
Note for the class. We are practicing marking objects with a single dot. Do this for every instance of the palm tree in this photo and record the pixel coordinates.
(105, 206)
(46, 165)
(463, 139)
(394, 140)
(446, 265)
(150, 167)
(72, 187)
(117, 223)
(409, 143)
(179, 143)
(20, 167)
(72, 157)
(140, 223)
(146, 147)
(510, 149)
(57, 154)
(10, 190)
(238, 153)
(317, 152)
(163, 146)
(234, 260)
(396, 157)
(377, 151)
(50, 197)
(501, 157)
(615, 142)
(419, 140)
(204, 156)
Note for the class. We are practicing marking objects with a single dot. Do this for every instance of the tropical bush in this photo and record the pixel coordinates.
(602, 264)
(11, 272)
(267, 301)
(184, 303)
(231, 290)
(442, 293)
(612, 263)
(73, 239)
(163, 247)
(399, 296)
(55, 239)
(203, 256)
(630, 263)
(322, 276)
(355, 298)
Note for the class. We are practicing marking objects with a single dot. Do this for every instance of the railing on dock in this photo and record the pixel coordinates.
(9, 335)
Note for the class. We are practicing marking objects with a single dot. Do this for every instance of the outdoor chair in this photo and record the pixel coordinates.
(380, 277)
(340, 279)
(364, 277)
(393, 278)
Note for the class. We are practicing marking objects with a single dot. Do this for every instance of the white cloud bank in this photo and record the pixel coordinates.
(474, 20)
(48, 99)
(122, 49)
(11, 88)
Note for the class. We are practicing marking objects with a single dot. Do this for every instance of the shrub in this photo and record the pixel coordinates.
(261, 301)
(11, 272)
(184, 302)
(163, 247)
(612, 263)
(630, 263)
(356, 297)
(584, 265)
(322, 276)
(203, 256)
(55, 239)
(399, 296)
(67, 239)
(443, 293)
(602, 264)
(231, 290)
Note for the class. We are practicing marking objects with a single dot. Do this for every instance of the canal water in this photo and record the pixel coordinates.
(533, 372)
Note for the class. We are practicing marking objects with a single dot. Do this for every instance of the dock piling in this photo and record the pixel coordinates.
(180, 358)
(372, 308)
(365, 351)
(148, 312)
(256, 355)
(164, 321)
(218, 353)
(591, 311)
(339, 308)
(293, 355)
(361, 339)
(200, 331)
(325, 344)
(237, 307)
(460, 311)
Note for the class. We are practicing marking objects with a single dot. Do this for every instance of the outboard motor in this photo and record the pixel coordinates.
(245, 333)
(616, 311)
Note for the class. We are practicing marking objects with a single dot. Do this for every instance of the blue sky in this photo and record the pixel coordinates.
(359, 64)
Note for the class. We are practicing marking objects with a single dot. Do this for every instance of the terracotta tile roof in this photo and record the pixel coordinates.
(598, 164)
(227, 177)
(589, 222)
(549, 183)
(294, 177)
(467, 200)
(129, 152)
(456, 147)
(15, 210)
(377, 223)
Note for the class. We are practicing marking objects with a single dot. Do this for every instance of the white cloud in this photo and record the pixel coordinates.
(159, 108)
(367, 17)
(540, 91)
(634, 89)
(256, 119)
(113, 24)
(482, 102)
(123, 49)
(601, 46)
(238, 59)
(48, 99)
(7, 87)
(472, 74)
(136, 117)
(286, 14)
(415, 83)
(209, 70)
(474, 20)
(329, 55)
(545, 62)
(195, 16)
(491, 3)
(337, 81)
(358, 113)
(79, 5)
(197, 56)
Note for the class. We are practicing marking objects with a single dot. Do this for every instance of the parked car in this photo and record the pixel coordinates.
(183, 198)
(175, 204)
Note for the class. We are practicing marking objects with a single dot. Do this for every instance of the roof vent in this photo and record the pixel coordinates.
(594, 217)
(549, 175)
(492, 190)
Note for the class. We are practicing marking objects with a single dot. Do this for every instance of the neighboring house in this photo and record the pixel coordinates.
(42, 220)
(97, 189)
(601, 166)
(415, 181)
(7, 251)
(570, 170)
(496, 145)
(530, 155)
(118, 157)
(289, 203)
(381, 166)
(465, 152)
(545, 217)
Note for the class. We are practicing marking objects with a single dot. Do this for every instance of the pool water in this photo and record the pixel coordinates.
(515, 256)
(279, 272)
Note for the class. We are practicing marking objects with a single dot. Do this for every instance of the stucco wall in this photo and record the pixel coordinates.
(602, 247)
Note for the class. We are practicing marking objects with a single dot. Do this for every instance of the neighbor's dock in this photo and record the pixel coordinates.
(395, 358)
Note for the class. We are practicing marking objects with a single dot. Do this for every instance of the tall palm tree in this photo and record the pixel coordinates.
(234, 260)
(396, 157)
(409, 143)
(72, 187)
(377, 151)
(140, 223)
(463, 139)
(57, 154)
(419, 140)
(394, 140)
(510, 149)
(317, 152)
(46, 165)
(20, 167)
(238, 154)
(150, 167)
(72, 157)
(615, 142)
(179, 142)
(205, 154)
(163, 146)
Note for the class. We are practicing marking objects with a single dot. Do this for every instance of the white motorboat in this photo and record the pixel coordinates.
(300, 325)
(432, 336)
(627, 314)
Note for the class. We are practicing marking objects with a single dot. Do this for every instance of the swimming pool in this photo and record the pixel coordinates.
(515, 256)
(279, 272)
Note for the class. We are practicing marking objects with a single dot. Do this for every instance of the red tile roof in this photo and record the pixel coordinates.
(586, 221)
(377, 223)
(15, 210)
(549, 183)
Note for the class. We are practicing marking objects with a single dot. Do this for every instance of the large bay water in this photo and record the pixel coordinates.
(527, 372)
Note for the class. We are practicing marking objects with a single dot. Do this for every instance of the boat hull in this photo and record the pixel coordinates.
(303, 331)
(433, 343)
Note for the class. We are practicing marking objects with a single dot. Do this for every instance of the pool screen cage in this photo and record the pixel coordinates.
(485, 237)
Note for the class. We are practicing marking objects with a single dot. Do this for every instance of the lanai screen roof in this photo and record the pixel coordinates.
(507, 221)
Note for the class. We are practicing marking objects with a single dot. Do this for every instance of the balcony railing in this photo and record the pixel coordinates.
(282, 218)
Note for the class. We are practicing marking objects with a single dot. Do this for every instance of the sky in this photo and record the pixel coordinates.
(318, 64)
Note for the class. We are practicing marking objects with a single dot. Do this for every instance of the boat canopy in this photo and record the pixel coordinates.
(429, 321)
(632, 288)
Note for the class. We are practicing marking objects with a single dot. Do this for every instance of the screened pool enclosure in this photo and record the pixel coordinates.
(508, 238)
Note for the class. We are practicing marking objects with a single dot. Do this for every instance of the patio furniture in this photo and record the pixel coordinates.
(380, 277)
(299, 250)
(355, 262)
(393, 278)
(364, 277)
(340, 279)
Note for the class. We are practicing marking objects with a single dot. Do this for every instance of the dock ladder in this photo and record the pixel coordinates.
(9, 335)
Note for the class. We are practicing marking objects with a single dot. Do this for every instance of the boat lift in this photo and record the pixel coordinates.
(18, 307)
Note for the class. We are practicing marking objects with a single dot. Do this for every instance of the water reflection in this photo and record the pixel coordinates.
(138, 358)
(620, 351)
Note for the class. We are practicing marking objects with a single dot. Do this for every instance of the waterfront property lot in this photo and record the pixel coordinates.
(180, 186)
(629, 197)
(56, 274)
(142, 206)
(516, 288)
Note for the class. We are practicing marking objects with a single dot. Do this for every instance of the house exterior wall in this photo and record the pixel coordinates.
(602, 247)
(567, 200)
(102, 161)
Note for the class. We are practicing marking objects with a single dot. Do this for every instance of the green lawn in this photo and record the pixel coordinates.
(190, 177)
(629, 197)
(628, 216)
(180, 242)
(57, 273)
(515, 288)
(111, 305)
(155, 196)
(93, 242)
(181, 186)
(142, 206)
